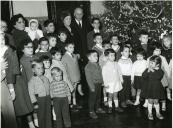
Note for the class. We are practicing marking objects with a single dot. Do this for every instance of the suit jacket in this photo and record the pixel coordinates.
(80, 36)
(72, 66)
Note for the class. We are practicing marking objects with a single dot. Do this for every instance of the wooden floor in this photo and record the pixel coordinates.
(132, 117)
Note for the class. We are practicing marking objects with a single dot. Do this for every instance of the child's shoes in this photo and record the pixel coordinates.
(150, 117)
(159, 116)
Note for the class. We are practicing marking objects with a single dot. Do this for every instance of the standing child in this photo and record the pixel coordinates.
(43, 47)
(39, 91)
(154, 91)
(70, 60)
(98, 43)
(138, 68)
(94, 79)
(113, 80)
(125, 64)
(164, 66)
(52, 40)
(60, 94)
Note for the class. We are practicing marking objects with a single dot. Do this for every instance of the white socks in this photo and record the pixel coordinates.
(146, 103)
(110, 104)
(36, 122)
(157, 107)
(74, 101)
(105, 99)
(53, 113)
(137, 102)
(116, 103)
(150, 106)
(164, 106)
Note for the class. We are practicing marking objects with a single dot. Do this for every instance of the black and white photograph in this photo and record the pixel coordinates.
(86, 63)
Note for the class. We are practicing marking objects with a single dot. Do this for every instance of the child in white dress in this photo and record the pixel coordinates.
(113, 80)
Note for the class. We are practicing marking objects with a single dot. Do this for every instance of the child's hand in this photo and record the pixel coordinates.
(12, 94)
(36, 106)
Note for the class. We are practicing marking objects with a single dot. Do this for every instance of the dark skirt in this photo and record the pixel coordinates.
(22, 103)
(137, 82)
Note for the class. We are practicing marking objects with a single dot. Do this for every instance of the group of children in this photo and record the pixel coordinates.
(115, 70)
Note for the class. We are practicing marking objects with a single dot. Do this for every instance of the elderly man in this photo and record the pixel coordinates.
(80, 29)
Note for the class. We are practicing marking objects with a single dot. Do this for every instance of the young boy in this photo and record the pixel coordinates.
(39, 92)
(70, 60)
(62, 39)
(98, 43)
(57, 62)
(43, 47)
(115, 45)
(60, 94)
(94, 79)
(52, 40)
(49, 27)
(125, 64)
(96, 29)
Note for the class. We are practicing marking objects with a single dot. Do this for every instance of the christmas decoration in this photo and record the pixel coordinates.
(126, 18)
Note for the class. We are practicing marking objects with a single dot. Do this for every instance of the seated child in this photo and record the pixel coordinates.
(52, 40)
(62, 39)
(39, 91)
(112, 78)
(43, 48)
(94, 79)
(57, 62)
(138, 68)
(115, 46)
(33, 31)
(70, 61)
(98, 43)
(60, 94)
(125, 64)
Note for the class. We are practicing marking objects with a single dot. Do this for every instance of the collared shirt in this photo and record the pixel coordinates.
(96, 30)
(125, 66)
(38, 86)
(78, 22)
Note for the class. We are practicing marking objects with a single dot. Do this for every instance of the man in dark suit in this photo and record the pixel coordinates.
(80, 29)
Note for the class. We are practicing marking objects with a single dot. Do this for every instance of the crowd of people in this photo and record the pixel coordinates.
(41, 71)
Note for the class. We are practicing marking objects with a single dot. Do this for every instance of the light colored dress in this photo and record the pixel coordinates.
(112, 77)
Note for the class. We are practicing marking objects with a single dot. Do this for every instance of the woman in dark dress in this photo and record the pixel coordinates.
(154, 91)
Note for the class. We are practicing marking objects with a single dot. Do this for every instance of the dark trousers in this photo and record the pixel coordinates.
(61, 108)
(95, 98)
(44, 112)
(125, 93)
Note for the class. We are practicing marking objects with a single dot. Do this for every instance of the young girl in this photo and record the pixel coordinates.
(113, 80)
(164, 67)
(154, 91)
(138, 68)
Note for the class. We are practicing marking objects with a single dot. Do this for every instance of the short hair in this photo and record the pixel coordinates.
(108, 51)
(51, 35)
(62, 31)
(95, 18)
(35, 62)
(123, 47)
(25, 42)
(156, 59)
(64, 14)
(114, 35)
(55, 50)
(69, 43)
(78, 8)
(105, 42)
(140, 51)
(55, 69)
(43, 39)
(45, 58)
(15, 18)
(90, 52)
(47, 22)
(97, 34)
(143, 32)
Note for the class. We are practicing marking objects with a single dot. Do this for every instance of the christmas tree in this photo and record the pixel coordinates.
(127, 18)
